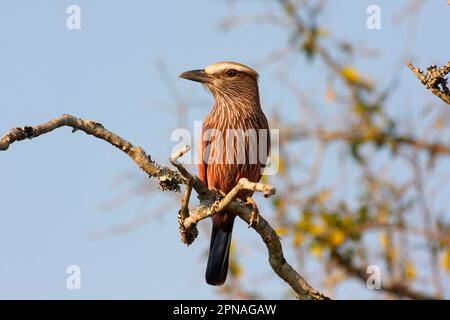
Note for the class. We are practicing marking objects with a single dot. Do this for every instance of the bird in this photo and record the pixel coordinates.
(236, 116)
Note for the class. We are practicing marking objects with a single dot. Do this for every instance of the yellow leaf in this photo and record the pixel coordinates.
(298, 239)
(264, 179)
(281, 165)
(316, 229)
(392, 254)
(446, 261)
(277, 162)
(347, 221)
(384, 240)
(235, 269)
(281, 231)
(350, 74)
(410, 271)
(232, 248)
(383, 215)
(316, 249)
(303, 224)
(337, 238)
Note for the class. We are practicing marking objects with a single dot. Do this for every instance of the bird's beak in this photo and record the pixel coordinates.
(196, 75)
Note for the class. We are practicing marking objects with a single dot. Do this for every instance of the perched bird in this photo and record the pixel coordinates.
(230, 132)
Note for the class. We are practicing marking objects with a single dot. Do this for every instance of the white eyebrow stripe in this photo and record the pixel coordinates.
(222, 66)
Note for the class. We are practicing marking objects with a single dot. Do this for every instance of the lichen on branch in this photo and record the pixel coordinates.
(434, 79)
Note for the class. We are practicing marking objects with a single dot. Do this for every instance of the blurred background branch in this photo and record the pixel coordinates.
(379, 208)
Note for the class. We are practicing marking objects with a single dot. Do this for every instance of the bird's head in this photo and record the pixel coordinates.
(226, 78)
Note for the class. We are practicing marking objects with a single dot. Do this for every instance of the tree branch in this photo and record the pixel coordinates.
(380, 137)
(171, 180)
(434, 80)
(395, 288)
(168, 179)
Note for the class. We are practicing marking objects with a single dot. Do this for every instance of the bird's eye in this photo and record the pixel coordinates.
(231, 73)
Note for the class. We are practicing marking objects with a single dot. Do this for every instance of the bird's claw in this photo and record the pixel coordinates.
(218, 194)
(254, 218)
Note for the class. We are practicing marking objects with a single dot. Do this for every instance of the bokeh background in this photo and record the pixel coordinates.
(346, 201)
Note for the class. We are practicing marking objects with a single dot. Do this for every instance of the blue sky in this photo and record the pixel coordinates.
(55, 189)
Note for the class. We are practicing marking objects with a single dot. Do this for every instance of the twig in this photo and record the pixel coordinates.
(434, 80)
(244, 184)
(171, 180)
(187, 235)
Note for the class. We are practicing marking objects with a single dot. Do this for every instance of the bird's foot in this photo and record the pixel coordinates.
(254, 218)
(218, 194)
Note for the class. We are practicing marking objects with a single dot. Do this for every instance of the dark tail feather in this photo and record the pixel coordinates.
(219, 250)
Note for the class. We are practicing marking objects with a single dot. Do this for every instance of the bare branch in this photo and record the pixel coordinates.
(276, 258)
(168, 179)
(244, 184)
(381, 137)
(396, 288)
(187, 235)
(171, 180)
(434, 80)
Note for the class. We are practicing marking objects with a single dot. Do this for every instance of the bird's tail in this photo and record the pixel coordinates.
(219, 251)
